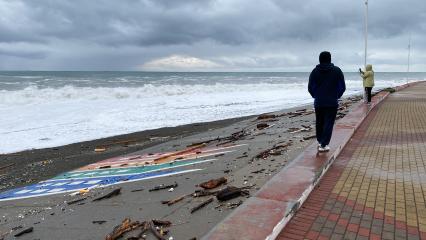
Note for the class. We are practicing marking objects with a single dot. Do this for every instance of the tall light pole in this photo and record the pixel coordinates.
(366, 42)
(366, 33)
(409, 53)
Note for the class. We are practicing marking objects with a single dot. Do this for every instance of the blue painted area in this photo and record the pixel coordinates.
(70, 185)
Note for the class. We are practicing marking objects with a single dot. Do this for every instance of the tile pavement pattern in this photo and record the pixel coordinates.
(376, 189)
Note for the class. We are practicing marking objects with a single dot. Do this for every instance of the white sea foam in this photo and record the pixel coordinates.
(35, 117)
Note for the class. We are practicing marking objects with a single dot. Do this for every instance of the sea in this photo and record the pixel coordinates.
(53, 108)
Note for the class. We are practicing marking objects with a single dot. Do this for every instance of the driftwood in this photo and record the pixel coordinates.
(76, 201)
(162, 187)
(276, 150)
(173, 201)
(213, 183)
(230, 193)
(201, 205)
(126, 226)
(25, 231)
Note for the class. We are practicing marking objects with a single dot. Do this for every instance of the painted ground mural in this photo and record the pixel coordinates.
(120, 170)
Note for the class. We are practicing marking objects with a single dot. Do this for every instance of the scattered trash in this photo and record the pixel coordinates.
(201, 205)
(213, 183)
(25, 231)
(171, 190)
(113, 193)
(162, 187)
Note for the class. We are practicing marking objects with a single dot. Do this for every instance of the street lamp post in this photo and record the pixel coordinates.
(366, 41)
(366, 32)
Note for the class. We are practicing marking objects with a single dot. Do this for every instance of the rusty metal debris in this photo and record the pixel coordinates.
(25, 231)
(162, 187)
(201, 205)
(213, 183)
(113, 193)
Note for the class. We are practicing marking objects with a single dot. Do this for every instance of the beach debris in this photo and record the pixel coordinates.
(309, 137)
(83, 191)
(300, 129)
(100, 149)
(171, 190)
(266, 116)
(76, 200)
(259, 171)
(6, 166)
(162, 223)
(162, 187)
(126, 226)
(261, 126)
(230, 192)
(111, 194)
(275, 150)
(213, 183)
(201, 205)
(138, 190)
(203, 193)
(175, 200)
(25, 231)
(99, 222)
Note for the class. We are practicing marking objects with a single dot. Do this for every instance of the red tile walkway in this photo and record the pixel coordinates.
(376, 188)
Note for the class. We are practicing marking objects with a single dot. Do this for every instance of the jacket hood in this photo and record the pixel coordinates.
(369, 67)
(325, 67)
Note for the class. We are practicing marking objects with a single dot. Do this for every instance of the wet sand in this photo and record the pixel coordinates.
(246, 165)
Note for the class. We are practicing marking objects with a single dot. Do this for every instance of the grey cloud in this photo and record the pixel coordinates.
(247, 33)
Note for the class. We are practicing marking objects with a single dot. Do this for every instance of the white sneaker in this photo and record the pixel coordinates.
(324, 149)
(319, 144)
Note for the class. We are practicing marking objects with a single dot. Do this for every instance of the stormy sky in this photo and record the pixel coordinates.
(208, 35)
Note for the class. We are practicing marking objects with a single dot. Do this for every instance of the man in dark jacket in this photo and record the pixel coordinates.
(326, 86)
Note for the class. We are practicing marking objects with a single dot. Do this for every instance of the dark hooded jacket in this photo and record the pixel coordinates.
(326, 85)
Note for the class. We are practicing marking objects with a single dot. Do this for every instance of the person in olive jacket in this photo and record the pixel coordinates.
(326, 86)
(368, 81)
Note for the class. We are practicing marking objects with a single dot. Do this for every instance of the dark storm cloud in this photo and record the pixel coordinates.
(240, 34)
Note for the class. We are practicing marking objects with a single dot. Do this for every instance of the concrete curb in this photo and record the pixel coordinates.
(264, 215)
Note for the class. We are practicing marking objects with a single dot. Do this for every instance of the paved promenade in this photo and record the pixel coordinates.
(376, 188)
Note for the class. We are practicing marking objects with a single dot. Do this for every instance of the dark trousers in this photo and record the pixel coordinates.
(368, 93)
(325, 117)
